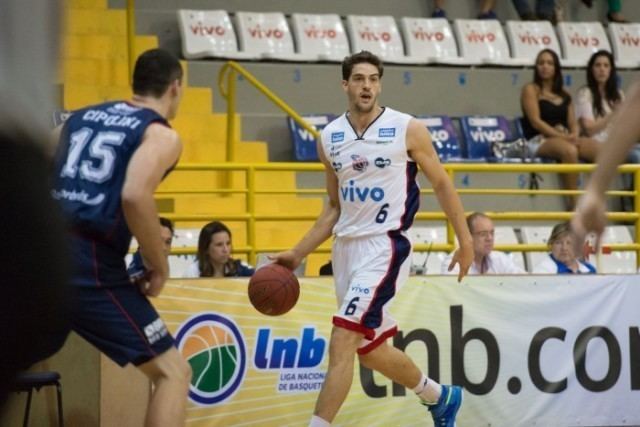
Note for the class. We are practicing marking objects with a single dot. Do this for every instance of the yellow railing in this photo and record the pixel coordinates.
(131, 36)
(251, 216)
(229, 74)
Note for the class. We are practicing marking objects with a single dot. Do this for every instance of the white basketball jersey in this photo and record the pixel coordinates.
(377, 178)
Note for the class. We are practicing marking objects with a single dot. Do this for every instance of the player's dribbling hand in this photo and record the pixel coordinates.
(463, 256)
(289, 259)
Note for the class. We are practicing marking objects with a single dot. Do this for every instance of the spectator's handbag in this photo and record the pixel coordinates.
(511, 150)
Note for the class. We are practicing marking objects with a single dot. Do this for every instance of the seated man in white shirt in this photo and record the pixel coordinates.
(486, 260)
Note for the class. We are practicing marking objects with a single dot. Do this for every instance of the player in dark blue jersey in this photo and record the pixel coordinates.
(110, 159)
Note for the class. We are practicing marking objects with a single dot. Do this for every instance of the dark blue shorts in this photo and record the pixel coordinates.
(120, 322)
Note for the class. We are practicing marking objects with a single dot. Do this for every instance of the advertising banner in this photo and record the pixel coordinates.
(528, 350)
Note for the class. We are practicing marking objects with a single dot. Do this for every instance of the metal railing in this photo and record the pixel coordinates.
(229, 74)
(252, 216)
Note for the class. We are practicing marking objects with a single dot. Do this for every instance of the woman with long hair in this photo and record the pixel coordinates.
(214, 255)
(549, 123)
(599, 97)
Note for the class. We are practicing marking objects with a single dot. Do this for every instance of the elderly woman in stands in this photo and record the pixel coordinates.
(214, 255)
(563, 258)
(549, 123)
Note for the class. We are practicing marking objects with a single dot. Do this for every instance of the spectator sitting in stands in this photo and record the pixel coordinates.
(596, 101)
(563, 259)
(614, 10)
(549, 122)
(137, 269)
(214, 255)
(486, 260)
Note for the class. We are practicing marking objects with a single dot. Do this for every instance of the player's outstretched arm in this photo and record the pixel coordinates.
(158, 152)
(421, 150)
(323, 227)
(624, 131)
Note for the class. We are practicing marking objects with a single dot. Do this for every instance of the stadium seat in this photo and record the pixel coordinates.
(615, 262)
(304, 143)
(209, 34)
(625, 40)
(183, 238)
(267, 36)
(527, 38)
(59, 117)
(428, 262)
(506, 235)
(322, 36)
(480, 131)
(379, 35)
(431, 40)
(535, 234)
(579, 40)
(483, 41)
(444, 136)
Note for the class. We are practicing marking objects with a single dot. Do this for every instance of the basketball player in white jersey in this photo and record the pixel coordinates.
(371, 155)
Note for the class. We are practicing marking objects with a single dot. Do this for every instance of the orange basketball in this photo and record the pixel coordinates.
(273, 289)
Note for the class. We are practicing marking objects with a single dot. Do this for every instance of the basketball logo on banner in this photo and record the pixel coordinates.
(215, 348)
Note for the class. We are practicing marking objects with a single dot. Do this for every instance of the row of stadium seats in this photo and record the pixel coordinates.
(430, 262)
(475, 143)
(616, 262)
(322, 37)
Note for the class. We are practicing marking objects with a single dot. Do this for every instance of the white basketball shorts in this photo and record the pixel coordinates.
(368, 271)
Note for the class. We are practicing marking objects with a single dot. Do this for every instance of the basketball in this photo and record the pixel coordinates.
(273, 290)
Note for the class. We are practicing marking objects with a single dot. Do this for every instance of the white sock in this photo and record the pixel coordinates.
(428, 390)
(316, 421)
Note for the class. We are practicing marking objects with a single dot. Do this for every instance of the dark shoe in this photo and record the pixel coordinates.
(529, 16)
(439, 13)
(588, 3)
(488, 15)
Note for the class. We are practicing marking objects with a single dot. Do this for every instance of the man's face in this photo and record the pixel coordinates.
(483, 233)
(363, 87)
(167, 239)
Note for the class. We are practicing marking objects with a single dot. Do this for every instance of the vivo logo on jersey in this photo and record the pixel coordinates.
(337, 137)
(353, 193)
(386, 132)
(480, 135)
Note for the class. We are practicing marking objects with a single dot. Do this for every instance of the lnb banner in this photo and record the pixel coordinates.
(529, 351)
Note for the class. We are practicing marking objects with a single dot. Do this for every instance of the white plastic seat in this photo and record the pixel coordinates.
(209, 34)
(380, 36)
(267, 36)
(428, 262)
(625, 40)
(534, 235)
(322, 36)
(431, 40)
(580, 40)
(527, 38)
(616, 262)
(506, 235)
(483, 41)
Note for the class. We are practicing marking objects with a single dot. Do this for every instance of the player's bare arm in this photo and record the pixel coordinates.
(323, 227)
(624, 132)
(422, 152)
(159, 151)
